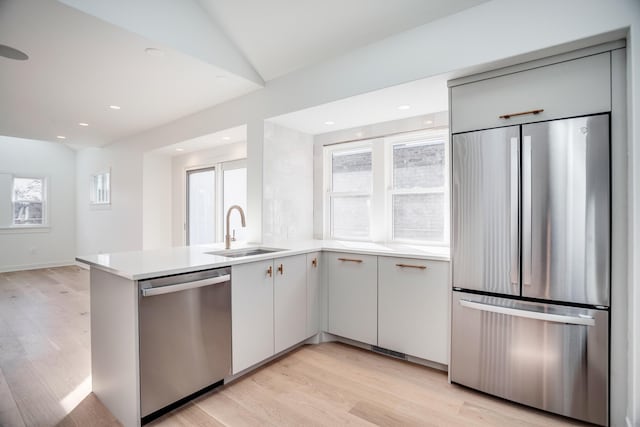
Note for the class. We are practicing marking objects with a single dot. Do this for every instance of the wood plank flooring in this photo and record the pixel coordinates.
(45, 366)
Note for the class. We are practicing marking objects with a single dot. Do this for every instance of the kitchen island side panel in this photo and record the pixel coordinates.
(114, 345)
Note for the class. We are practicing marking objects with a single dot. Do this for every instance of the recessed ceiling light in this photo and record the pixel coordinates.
(83, 124)
(226, 138)
(12, 53)
(428, 122)
(61, 137)
(329, 123)
(114, 107)
(359, 134)
(152, 51)
(179, 149)
(404, 107)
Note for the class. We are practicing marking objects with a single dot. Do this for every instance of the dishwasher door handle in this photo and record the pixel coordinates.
(548, 317)
(149, 292)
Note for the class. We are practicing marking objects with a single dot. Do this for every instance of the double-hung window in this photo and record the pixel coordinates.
(350, 187)
(392, 189)
(418, 195)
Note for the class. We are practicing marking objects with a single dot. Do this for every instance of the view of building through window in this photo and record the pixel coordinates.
(406, 176)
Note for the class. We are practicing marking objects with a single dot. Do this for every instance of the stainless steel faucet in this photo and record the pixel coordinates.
(227, 237)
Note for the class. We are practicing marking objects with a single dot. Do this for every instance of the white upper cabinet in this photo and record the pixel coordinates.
(353, 296)
(571, 88)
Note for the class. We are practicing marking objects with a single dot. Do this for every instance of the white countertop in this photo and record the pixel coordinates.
(139, 265)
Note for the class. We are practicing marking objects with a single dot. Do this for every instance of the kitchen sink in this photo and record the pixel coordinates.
(237, 253)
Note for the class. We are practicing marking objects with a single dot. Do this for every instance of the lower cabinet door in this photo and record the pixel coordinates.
(413, 307)
(251, 313)
(353, 299)
(290, 301)
(314, 292)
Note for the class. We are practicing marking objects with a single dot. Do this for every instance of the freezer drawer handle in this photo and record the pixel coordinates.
(559, 318)
(522, 113)
(149, 292)
(350, 260)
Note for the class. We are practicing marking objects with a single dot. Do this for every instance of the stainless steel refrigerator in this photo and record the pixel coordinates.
(531, 264)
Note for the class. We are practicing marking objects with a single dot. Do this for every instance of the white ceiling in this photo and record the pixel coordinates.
(280, 36)
(424, 96)
(80, 63)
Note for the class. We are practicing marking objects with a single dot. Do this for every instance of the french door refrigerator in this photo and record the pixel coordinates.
(530, 264)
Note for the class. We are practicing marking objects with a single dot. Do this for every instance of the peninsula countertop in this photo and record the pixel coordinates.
(138, 265)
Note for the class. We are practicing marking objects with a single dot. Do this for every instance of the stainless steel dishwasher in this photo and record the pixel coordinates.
(185, 338)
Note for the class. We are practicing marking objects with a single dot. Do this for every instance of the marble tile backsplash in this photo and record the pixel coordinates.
(287, 185)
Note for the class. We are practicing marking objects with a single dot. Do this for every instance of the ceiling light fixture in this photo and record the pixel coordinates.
(83, 124)
(404, 107)
(428, 122)
(61, 137)
(329, 123)
(12, 53)
(179, 149)
(359, 134)
(114, 107)
(152, 51)
(226, 138)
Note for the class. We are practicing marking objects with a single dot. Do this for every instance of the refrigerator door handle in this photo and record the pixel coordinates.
(513, 199)
(526, 211)
(548, 317)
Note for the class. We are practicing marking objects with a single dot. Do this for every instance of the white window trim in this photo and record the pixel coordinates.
(381, 220)
(45, 226)
(329, 195)
(92, 190)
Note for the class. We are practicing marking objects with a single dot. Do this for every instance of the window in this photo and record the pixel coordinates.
(350, 193)
(211, 191)
(389, 189)
(100, 188)
(28, 197)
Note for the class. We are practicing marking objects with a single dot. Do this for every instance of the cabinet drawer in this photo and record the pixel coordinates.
(413, 307)
(572, 88)
(353, 296)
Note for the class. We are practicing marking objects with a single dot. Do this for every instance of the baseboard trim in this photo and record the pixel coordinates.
(24, 267)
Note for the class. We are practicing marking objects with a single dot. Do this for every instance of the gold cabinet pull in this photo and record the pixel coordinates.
(350, 260)
(522, 113)
(270, 271)
(314, 262)
(421, 267)
(281, 269)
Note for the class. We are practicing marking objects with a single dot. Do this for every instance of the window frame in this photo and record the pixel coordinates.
(45, 201)
(382, 191)
(219, 168)
(330, 195)
(431, 137)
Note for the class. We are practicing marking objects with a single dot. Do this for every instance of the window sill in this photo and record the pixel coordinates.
(100, 206)
(25, 229)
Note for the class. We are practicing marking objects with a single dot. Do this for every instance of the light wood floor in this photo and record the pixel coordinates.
(45, 363)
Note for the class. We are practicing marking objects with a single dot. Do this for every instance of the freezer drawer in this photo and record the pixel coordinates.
(547, 356)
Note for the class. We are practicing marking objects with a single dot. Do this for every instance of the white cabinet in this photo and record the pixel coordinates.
(290, 301)
(353, 310)
(565, 89)
(413, 307)
(251, 313)
(314, 292)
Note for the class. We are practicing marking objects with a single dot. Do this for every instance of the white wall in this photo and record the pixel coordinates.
(54, 245)
(179, 167)
(287, 207)
(117, 227)
(156, 201)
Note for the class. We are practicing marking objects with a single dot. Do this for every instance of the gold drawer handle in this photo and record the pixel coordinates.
(281, 269)
(270, 271)
(421, 267)
(350, 260)
(508, 116)
(314, 262)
